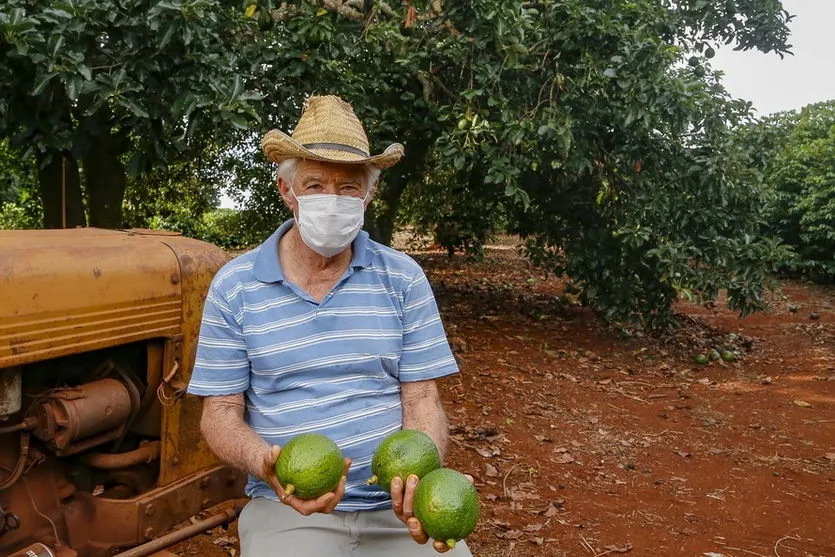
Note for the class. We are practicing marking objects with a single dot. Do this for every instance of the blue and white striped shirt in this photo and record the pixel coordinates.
(333, 367)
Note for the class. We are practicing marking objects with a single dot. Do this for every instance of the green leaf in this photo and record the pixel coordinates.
(58, 12)
(131, 105)
(238, 121)
(238, 86)
(72, 85)
(250, 96)
(169, 32)
(42, 83)
(58, 44)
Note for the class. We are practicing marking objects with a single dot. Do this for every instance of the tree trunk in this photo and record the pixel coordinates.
(381, 223)
(105, 180)
(58, 179)
(382, 229)
(58, 192)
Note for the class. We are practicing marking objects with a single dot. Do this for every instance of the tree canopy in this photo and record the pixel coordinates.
(117, 88)
(595, 129)
(794, 156)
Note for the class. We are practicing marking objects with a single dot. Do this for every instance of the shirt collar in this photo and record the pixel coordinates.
(268, 267)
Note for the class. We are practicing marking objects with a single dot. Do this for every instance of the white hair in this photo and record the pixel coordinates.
(287, 172)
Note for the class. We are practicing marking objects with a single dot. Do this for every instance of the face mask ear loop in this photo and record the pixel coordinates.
(368, 193)
(298, 206)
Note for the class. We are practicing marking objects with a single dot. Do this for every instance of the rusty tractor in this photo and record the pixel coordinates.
(100, 446)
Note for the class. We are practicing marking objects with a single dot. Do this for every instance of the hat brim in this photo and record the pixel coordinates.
(278, 147)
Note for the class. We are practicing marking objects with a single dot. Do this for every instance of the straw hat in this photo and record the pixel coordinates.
(328, 130)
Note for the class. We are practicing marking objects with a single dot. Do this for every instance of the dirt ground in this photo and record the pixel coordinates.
(585, 443)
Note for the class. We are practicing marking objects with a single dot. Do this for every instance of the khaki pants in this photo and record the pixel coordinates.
(271, 529)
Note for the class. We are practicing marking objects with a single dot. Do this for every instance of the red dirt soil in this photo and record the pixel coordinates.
(585, 443)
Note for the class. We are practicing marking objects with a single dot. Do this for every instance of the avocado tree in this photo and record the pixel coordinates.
(95, 90)
(595, 129)
(793, 154)
(15, 174)
(621, 168)
(373, 55)
(19, 203)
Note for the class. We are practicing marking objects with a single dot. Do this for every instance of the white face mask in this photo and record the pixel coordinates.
(329, 223)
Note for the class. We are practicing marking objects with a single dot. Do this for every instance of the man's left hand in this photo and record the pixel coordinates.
(402, 499)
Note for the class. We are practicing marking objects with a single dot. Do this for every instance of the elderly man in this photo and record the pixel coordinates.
(321, 329)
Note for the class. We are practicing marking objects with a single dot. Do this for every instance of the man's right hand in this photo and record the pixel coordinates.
(324, 504)
(402, 501)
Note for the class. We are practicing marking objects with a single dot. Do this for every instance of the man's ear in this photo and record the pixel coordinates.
(284, 190)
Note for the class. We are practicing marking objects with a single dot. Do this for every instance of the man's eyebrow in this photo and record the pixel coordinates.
(316, 177)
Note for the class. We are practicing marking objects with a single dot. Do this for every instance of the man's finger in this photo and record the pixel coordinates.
(340, 491)
(279, 490)
(416, 531)
(310, 507)
(322, 503)
(440, 547)
(397, 496)
(347, 466)
(409, 497)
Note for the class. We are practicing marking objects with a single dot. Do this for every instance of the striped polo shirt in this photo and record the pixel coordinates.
(333, 367)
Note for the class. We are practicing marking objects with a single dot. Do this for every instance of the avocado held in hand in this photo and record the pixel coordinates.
(447, 505)
(402, 454)
(309, 466)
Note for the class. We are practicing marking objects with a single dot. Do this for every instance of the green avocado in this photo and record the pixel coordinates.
(447, 506)
(402, 454)
(309, 466)
(728, 356)
(701, 359)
